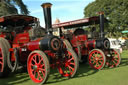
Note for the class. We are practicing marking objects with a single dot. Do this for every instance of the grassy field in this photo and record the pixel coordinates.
(84, 76)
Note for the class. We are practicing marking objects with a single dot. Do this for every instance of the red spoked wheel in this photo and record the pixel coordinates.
(113, 60)
(97, 59)
(2, 61)
(4, 51)
(69, 64)
(38, 67)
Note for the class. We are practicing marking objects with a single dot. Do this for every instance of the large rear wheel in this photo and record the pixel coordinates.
(67, 44)
(69, 64)
(97, 59)
(4, 53)
(38, 67)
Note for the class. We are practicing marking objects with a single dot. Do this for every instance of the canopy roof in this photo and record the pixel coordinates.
(17, 20)
(79, 22)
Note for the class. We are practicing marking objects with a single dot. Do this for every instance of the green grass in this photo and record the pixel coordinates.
(85, 76)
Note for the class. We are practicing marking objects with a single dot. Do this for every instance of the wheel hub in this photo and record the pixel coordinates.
(96, 58)
(35, 67)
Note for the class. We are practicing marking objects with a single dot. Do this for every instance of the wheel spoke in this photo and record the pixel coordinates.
(114, 62)
(43, 72)
(39, 57)
(94, 61)
(34, 73)
(70, 60)
(115, 56)
(42, 69)
(32, 64)
(65, 70)
(42, 65)
(40, 60)
(100, 58)
(72, 63)
(71, 68)
(39, 76)
(32, 70)
(116, 59)
(97, 64)
(93, 56)
(69, 54)
(34, 60)
(101, 62)
(1, 62)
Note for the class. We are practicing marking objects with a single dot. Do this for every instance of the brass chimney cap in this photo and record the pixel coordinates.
(46, 5)
(100, 13)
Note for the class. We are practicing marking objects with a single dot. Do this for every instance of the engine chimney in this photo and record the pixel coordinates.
(101, 16)
(47, 15)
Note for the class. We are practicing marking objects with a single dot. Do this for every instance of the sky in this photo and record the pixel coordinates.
(64, 10)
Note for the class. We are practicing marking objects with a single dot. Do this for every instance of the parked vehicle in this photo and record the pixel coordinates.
(24, 43)
(115, 44)
(95, 48)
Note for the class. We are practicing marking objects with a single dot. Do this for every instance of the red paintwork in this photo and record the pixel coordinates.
(82, 41)
(68, 67)
(91, 44)
(39, 69)
(25, 45)
(21, 38)
(33, 45)
(78, 40)
(1, 61)
(114, 60)
(96, 59)
(3, 35)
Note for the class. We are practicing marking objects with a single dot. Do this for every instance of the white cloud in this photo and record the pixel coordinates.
(36, 11)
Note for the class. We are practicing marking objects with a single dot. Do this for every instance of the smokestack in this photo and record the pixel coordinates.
(47, 15)
(101, 16)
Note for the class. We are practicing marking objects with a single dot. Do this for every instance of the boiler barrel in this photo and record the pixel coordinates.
(99, 43)
(52, 43)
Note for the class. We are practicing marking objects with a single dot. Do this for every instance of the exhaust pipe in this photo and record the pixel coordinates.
(47, 15)
(101, 16)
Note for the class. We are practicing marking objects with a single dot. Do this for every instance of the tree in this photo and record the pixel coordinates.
(9, 7)
(116, 12)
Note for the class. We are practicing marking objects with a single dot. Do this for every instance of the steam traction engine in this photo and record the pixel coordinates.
(95, 49)
(24, 43)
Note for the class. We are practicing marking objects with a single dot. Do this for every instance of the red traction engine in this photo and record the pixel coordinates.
(24, 43)
(96, 50)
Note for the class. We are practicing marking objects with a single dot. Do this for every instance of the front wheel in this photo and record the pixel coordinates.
(38, 67)
(69, 64)
(97, 59)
